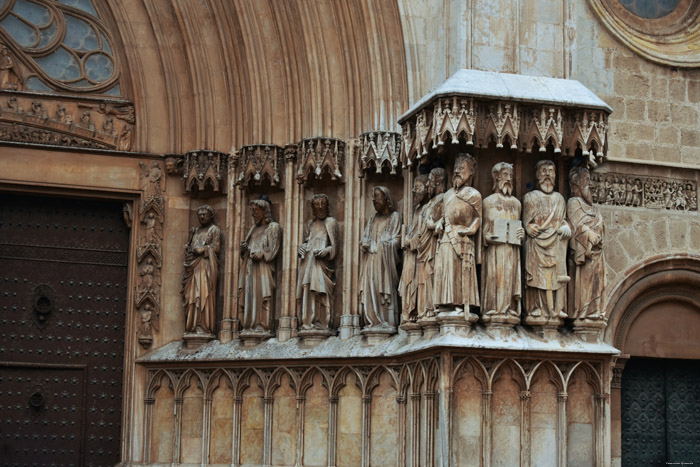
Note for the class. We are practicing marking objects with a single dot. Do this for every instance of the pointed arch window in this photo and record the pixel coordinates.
(57, 46)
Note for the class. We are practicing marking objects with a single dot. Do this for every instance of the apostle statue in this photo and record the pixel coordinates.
(256, 285)
(379, 276)
(315, 281)
(455, 286)
(201, 274)
(587, 248)
(408, 286)
(437, 183)
(502, 236)
(544, 217)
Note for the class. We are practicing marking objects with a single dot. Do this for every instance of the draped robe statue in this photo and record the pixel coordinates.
(379, 276)
(256, 286)
(427, 247)
(455, 283)
(409, 284)
(500, 269)
(587, 248)
(201, 274)
(544, 218)
(315, 282)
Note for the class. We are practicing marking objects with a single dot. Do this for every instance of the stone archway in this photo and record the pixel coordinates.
(655, 393)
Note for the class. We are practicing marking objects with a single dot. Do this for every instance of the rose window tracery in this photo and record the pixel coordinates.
(62, 46)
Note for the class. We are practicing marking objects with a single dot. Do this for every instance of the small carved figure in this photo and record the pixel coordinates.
(544, 217)
(427, 249)
(8, 76)
(587, 247)
(503, 234)
(171, 166)
(315, 282)
(455, 283)
(146, 285)
(379, 275)
(408, 285)
(637, 193)
(256, 286)
(61, 113)
(201, 274)
(629, 192)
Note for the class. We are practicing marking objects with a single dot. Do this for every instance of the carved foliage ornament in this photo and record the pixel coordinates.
(259, 161)
(149, 253)
(205, 170)
(318, 155)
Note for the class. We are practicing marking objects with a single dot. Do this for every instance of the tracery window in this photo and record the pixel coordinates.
(59, 46)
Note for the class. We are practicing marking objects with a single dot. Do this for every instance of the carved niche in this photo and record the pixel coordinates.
(259, 161)
(204, 170)
(149, 253)
(380, 149)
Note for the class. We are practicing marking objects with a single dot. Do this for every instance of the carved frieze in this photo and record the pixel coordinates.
(259, 161)
(379, 150)
(616, 189)
(204, 170)
(83, 123)
(149, 252)
(319, 155)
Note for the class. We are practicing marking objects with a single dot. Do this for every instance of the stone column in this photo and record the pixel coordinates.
(206, 428)
(332, 430)
(178, 429)
(287, 306)
(301, 413)
(148, 417)
(525, 398)
(229, 280)
(366, 433)
(562, 427)
(237, 410)
(486, 397)
(267, 430)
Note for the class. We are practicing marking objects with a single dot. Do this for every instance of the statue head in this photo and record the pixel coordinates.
(437, 180)
(382, 200)
(546, 173)
(320, 206)
(170, 165)
(502, 174)
(420, 190)
(261, 210)
(465, 166)
(205, 214)
(580, 181)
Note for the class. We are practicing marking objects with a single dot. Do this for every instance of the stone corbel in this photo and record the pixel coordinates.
(149, 252)
(544, 127)
(379, 150)
(319, 155)
(258, 161)
(205, 169)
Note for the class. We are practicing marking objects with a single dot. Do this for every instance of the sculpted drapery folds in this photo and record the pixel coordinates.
(502, 235)
(455, 284)
(415, 233)
(201, 274)
(379, 275)
(256, 287)
(316, 282)
(587, 248)
(544, 217)
(427, 249)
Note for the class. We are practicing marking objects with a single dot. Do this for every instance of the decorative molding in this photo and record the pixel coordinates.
(380, 149)
(81, 123)
(319, 155)
(204, 168)
(149, 253)
(615, 189)
(258, 161)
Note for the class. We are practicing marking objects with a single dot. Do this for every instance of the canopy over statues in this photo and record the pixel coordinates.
(201, 274)
(317, 254)
(544, 217)
(379, 275)
(256, 287)
(502, 236)
(587, 250)
(455, 286)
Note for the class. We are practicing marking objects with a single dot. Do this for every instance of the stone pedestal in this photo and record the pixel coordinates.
(588, 330)
(547, 329)
(313, 336)
(430, 327)
(285, 329)
(377, 335)
(228, 328)
(455, 321)
(194, 340)
(413, 330)
(251, 338)
(356, 324)
(346, 327)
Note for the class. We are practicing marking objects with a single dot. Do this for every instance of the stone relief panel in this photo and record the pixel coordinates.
(615, 189)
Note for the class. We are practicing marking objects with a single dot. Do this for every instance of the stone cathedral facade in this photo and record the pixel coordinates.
(349, 233)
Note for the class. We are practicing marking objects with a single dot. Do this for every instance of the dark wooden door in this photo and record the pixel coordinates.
(63, 282)
(660, 412)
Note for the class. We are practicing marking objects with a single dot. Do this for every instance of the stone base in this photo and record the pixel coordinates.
(194, 340)
(544, 327)
(313, 336)
(501, 329)
(377, 335)
(346, 327)
(251, 338)
(500, 319)
(285, 329)
(430, 327)
(413, 330)
(455, 321)
(356, 324)
(589, 330)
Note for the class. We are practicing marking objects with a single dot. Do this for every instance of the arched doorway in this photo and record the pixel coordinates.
(655, 324)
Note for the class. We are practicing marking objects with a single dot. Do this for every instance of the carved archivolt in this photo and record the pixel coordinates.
(319, 155)
(258, 161)
(205, 170)
(379, 150)
(149, 252)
